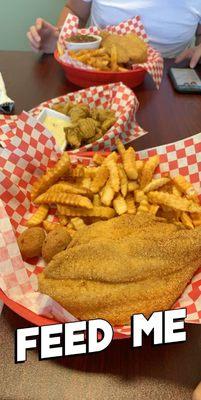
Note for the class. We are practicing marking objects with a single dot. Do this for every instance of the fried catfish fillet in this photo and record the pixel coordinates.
(129, 48)
(136, 48)
(130, 264)
(122, 54)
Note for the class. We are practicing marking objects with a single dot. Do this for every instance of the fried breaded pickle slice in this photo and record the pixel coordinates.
(87, 127)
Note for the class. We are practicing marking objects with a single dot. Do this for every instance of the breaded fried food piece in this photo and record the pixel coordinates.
(30, 242)
(122, 54)
(55, 242)
(136, 48)
(115, 302)
(129, 48)
(130, 264)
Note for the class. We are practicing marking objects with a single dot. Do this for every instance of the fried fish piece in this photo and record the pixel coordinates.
(115, 40)
(127, 275)
(129, 47)
(136, 48)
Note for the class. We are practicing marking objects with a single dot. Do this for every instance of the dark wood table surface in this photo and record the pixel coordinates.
(154, 373)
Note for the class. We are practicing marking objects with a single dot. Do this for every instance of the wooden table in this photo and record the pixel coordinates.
(154, 373)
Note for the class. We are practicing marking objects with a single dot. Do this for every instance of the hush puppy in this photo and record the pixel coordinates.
(30, 242)
(55, 242)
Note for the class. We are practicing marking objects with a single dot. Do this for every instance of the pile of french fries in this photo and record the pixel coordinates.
(115, 185)
(100, 59)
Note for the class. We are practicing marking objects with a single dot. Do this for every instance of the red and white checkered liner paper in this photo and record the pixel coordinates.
(154, 65)
(24, 159)
(114, 96)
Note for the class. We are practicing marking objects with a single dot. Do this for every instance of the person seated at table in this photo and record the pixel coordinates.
(173, 28)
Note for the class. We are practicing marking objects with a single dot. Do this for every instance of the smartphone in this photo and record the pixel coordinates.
(185, 80)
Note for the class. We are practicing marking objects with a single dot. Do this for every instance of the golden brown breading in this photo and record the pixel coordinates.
(55, 242)
(136, 48)
(122, 54)
(129, 48)
(127, 265)
(30, 242)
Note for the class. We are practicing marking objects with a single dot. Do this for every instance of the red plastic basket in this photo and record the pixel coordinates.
(85, 78)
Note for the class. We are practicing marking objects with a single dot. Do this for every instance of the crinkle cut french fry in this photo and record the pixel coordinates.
(132, 186)
(143, 207)
(120, 147)
(114, 175)
(120, 205)
(186, 220)
(100, 179)
(66, 187)
(98, 212)
(51, 176)
(123, 181)
(176, 191)
(129, 163)
(112, 156)
(90, 172)
(86, 183)
(39, 216)
(75, 200)
(148, 170)
(131, 208)
(139, 166)
(139, 196)
(96, 200)
(98, 159)
(113, 54)
(155, 184)
(78, 223)
(185, 187)
(77, 172)
(107, 194)
(174, 202)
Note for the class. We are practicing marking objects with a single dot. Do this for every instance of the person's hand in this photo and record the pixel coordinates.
(197, 393)
(43, 36)
(193, 54)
